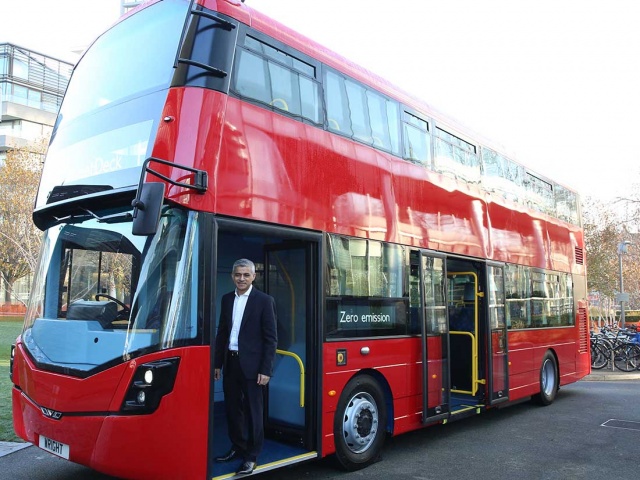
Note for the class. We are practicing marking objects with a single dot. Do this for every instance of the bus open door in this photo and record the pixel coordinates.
(287, 269)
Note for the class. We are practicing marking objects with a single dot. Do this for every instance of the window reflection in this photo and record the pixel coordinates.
(365, 288)
(361, 113)
(538, 299)
(417, 141)
(277, 79)
(455, 157)
(539, 194)
(434, 298)
(502, 176)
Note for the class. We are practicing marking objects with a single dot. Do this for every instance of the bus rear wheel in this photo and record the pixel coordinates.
(548, 380)
(359, 424)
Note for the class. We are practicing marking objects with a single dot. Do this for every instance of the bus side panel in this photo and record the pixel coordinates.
(394, 361)
(190, 135)
(583, 367)
(526, 350)
(564, 239)
(328, 442)
(521, 364)
(516, 236)
(435, 373)
(434, 211)
(276, 169)
(583, 353)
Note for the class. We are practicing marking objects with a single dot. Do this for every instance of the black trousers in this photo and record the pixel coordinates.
(244, 403)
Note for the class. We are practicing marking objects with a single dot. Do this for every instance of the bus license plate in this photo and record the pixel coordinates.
(52, 446)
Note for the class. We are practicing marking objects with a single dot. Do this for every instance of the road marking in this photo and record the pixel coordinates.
(623, 424)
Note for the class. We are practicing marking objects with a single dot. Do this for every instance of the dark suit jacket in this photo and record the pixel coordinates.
(258, 335)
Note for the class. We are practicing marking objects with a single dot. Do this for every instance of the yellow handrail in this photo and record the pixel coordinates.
(474, 343)
(301, 365)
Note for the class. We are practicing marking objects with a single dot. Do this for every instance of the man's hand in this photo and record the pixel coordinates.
(216, 374)
(263, 379)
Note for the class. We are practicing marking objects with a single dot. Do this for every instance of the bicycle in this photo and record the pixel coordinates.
(600, 351)
(620, 345)
(626, 356)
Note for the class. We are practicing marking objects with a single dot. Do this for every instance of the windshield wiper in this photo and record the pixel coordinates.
(114, 218)
(73, 218)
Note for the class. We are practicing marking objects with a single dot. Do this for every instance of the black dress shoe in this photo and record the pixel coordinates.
(246, 468)
(230, 455)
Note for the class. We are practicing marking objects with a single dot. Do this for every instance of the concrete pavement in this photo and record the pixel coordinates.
(606, 374)
(9, 447)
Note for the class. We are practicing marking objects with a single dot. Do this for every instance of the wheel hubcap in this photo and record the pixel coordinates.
(360, 422)
(548, 378)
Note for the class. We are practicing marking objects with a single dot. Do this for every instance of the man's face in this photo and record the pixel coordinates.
(243, 278)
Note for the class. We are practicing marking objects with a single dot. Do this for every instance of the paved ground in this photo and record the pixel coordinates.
(9, 447)
(606, 374)
(603, 375)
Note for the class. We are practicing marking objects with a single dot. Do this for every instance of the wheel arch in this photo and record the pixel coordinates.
(553, 352)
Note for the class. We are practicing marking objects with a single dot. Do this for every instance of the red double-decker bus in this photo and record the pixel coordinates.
(420, 274)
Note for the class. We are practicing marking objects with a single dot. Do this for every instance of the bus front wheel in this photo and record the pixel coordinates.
(359, 424)
(548, 380)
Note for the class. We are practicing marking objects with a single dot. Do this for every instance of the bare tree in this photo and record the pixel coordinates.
(605, 227)
(20, 240)
(602, 233)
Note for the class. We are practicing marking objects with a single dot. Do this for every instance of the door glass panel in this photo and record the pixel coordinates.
(435, 337)
(286, 282)
(498, 327)
(434, 304)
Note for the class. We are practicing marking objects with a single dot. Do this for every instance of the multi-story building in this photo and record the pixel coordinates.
(31, 89)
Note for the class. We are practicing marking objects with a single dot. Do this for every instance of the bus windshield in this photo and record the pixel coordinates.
(102, 295)
(108, 119)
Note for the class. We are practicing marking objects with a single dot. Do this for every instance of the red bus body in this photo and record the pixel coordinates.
(277, 171)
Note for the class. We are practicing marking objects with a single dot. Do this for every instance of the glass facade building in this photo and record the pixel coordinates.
(31, 89)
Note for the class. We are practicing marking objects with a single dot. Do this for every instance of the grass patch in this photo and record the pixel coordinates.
(10, 328)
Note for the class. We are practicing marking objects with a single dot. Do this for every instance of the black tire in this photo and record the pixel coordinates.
(599, 356)
(359, 423)
(548, 380)
(627, 357)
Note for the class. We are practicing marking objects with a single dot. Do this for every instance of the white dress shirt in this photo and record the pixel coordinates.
(239, 304)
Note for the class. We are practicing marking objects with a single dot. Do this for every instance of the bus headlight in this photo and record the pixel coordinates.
(149, 384)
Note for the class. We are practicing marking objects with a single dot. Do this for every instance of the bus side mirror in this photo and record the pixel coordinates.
(147, 207)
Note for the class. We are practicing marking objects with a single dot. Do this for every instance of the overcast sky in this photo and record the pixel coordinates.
(556, 82)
